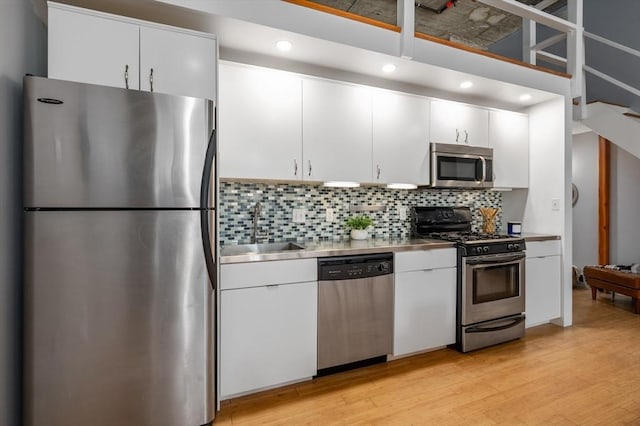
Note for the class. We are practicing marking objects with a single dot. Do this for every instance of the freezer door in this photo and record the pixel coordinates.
(118, 319)
(89, 146)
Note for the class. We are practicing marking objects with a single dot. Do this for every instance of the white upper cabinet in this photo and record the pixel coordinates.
(100, 48)
(92, 49)
(509, 138)
(452, 122)
(261, 123)
(336, 131)
(400, 138)
(177, 62)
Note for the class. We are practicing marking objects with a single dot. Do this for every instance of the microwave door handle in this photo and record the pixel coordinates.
(484, 169)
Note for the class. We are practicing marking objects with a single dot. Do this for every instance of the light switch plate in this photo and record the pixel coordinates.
(330, 215)
(402, 212)
(299, 215)
(555, 204)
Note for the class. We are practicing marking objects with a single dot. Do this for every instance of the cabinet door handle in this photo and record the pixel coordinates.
(457, 135)
(466, 137)
(151, 79)
(295, 167)
(310, 168)
(126, 76)
(378, 173)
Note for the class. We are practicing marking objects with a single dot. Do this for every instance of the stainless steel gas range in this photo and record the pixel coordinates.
(491, 276)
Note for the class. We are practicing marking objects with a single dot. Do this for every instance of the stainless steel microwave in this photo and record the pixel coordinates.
(461, 166)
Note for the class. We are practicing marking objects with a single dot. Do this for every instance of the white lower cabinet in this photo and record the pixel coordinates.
(268, 324)
(425, 300)
(543, 282)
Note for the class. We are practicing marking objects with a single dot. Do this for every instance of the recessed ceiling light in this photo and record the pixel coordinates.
(525, 97)
(389, 68)
(341, 184)
(466, 84)
(284, 45)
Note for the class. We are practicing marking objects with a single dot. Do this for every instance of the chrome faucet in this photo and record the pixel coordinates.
(256, 211)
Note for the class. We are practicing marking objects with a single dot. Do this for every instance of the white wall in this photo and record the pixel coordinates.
(625, 205)
(549, 180)
(546, 168)
(22, 50)
(585, 212)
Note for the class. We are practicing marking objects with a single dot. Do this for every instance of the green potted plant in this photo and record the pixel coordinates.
(358, 225)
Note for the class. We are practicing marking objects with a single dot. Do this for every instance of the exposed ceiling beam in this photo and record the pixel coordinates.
(529, 12)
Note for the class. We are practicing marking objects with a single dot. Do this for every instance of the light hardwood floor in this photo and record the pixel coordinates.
(587, 374)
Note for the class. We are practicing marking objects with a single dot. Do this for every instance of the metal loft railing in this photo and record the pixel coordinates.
(606, 77)
(574, 35)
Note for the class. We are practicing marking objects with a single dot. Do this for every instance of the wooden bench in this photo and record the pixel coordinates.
(625, 283)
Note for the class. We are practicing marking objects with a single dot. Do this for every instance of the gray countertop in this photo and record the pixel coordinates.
(351, 247)
(338, 248)
(538, 237)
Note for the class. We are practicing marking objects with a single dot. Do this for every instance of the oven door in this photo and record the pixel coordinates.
(462, 171)
(492, 287)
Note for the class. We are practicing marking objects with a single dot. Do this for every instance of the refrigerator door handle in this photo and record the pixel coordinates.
(204, 207)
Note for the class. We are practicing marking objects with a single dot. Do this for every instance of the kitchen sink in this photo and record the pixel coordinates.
(259, 248)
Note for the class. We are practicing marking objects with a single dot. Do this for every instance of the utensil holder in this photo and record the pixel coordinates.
(489, 215)
(489, 225)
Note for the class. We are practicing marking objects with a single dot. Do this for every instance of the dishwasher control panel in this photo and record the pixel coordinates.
(354, 267)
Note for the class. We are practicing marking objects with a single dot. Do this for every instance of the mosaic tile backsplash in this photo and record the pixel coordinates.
(237, 201)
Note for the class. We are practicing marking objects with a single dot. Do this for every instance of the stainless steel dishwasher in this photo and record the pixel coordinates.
(355, 308)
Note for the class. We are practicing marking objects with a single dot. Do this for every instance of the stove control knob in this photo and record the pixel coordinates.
(510, 247)
(485, 249)
(479, 250)
(516, 246)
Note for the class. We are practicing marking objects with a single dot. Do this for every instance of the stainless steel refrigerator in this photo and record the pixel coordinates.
(119, 269)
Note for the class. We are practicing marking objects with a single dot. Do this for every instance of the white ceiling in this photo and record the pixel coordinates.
(248, 42)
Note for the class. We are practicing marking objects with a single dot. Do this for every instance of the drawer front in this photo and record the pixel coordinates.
(425, 259)
(543, 248)
(253, 274)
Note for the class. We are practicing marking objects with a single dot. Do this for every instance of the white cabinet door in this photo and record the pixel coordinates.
(336, 131)
(183, 64)
(509, 138)
(400, 138)
(261, 116)
(452, 122)
(425, 310)
(268, 336)
(92, 49)
(543, 289)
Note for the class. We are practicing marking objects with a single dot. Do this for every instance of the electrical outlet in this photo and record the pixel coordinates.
(330, 215)
(299, 215)
(402, 212)
(555, 204)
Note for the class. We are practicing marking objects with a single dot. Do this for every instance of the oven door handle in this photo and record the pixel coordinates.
(489, 260)
(480, 329)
